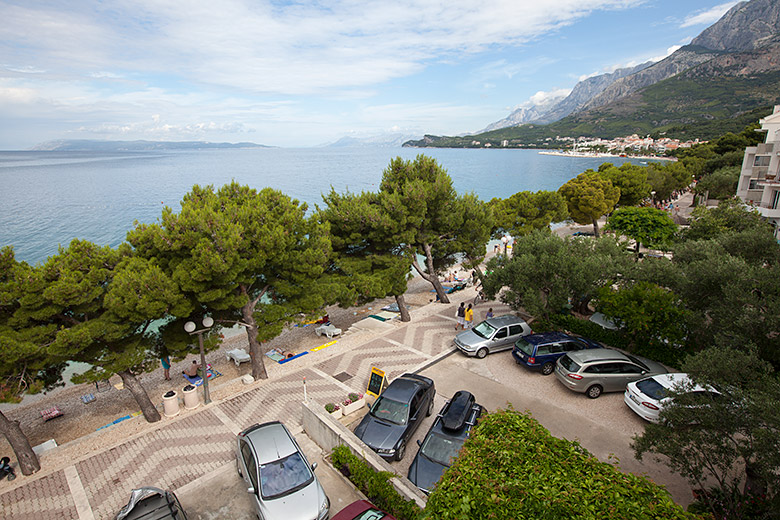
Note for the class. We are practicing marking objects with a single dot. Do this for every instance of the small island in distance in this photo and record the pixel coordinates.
(89, 145)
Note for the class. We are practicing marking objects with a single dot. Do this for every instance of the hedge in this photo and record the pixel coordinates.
(511, 468)
(374, 484)
(667, 355)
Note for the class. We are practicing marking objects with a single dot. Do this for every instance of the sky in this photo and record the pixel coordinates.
(307, 72)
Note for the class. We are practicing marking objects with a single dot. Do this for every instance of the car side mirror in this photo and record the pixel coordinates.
(419, 442)
(313, 466)
(250, 490)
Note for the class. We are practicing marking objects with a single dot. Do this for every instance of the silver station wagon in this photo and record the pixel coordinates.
(492, 335)
(280, 479)
(598, 370)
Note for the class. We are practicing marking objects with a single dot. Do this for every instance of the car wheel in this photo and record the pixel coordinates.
(481, 353)
(547, 369)
(594, 391)
(430, 408)
(399, 454)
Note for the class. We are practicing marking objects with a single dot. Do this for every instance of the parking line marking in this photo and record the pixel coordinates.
(80, 500)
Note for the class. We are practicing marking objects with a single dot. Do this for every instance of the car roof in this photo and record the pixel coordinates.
(504, 320)
(463, 432)
(271, 441)
(547, 337)
(597, 354)
(402, 389)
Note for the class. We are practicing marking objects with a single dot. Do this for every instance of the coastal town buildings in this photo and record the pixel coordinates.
(759, 180)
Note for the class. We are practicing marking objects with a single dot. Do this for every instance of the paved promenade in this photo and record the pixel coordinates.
(177, 451)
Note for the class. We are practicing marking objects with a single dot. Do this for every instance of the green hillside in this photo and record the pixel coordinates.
(703, 102)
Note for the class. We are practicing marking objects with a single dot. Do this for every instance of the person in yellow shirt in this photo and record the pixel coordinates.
(469, 316)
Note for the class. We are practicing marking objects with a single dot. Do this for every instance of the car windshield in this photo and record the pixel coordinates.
(569, 364)
(651, 388)
(441, 449)
(484, 329)
(525, 347)
(635, 360)
(371, 514)
(389, 410)
(284, 476)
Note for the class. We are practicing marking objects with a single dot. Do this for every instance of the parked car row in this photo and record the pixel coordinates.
(396, 415)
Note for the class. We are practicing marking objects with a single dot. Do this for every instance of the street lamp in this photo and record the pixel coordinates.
(190, 327)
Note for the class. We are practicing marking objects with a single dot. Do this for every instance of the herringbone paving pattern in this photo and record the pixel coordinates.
(167, 458)
(393, 359)
(197, 444)
(47, 498)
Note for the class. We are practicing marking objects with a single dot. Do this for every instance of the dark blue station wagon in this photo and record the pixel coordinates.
(541, 351)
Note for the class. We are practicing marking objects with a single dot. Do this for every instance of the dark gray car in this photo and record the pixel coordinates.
(396, 415)
(598, 370)
(492, 335)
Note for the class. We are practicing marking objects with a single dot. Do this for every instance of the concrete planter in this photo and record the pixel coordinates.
(336, 414)
(354, 407)
(170, 404)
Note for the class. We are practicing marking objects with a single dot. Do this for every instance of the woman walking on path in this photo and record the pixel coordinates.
(166, 364)
(461, 314)
(469, 317)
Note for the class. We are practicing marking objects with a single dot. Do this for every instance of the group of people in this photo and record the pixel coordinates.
(465, 316)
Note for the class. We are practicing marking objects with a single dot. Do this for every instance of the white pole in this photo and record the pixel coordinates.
(305, 395)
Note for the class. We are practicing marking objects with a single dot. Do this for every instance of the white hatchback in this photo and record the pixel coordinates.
(648, 396)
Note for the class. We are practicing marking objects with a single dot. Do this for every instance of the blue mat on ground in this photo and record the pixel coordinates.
(294, 357)
(197, 380)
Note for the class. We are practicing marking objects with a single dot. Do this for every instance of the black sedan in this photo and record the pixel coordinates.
(444, 440)
(396, 415)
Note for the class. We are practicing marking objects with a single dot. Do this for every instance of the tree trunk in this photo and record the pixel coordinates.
(139, 394)
(431, 275)
(596, 227)
(399, 300)
(255, 349)
(28, 460)
(755, 484)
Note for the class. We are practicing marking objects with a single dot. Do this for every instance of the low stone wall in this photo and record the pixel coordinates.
(329, 433)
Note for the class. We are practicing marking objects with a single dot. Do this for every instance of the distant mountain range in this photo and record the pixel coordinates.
(88, 145)
(727, 77)
(382, 141)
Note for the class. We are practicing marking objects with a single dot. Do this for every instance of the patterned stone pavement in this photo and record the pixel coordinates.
(192, 446)
(48, 498)
(168, 458)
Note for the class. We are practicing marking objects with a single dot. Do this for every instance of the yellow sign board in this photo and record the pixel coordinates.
(376, 382)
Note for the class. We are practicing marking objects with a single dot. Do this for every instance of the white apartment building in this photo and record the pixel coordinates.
(759, 181)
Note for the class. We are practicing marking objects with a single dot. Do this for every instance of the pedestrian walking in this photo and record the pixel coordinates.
(165, 361)
(489, 313)
(469, 317)
(461, 315)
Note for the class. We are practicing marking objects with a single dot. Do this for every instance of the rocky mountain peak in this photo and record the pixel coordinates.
(746, 26)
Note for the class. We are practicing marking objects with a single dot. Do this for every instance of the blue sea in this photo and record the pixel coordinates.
(49, 198)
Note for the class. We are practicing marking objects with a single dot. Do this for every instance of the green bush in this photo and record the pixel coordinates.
(512, 468)
(374, 484)
(662, 353)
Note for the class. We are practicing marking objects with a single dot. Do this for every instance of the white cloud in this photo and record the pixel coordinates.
(302, 47)
(542, 98)
(708, 16)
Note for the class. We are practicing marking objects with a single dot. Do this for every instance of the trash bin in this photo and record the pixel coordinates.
(191, 399)
(170, 404)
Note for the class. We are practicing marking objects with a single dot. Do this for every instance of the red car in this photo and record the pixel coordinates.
(362, 510)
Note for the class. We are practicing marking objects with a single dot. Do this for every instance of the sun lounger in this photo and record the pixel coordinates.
(328, 330)
(51, 413)
(238, 355)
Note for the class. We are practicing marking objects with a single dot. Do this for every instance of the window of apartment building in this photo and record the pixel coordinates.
(775, 199)
(761, 160)
(754, 184)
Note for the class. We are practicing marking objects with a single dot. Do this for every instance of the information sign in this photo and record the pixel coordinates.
(377, 382)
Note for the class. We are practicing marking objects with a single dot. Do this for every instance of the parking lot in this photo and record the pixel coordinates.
(604, 426)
